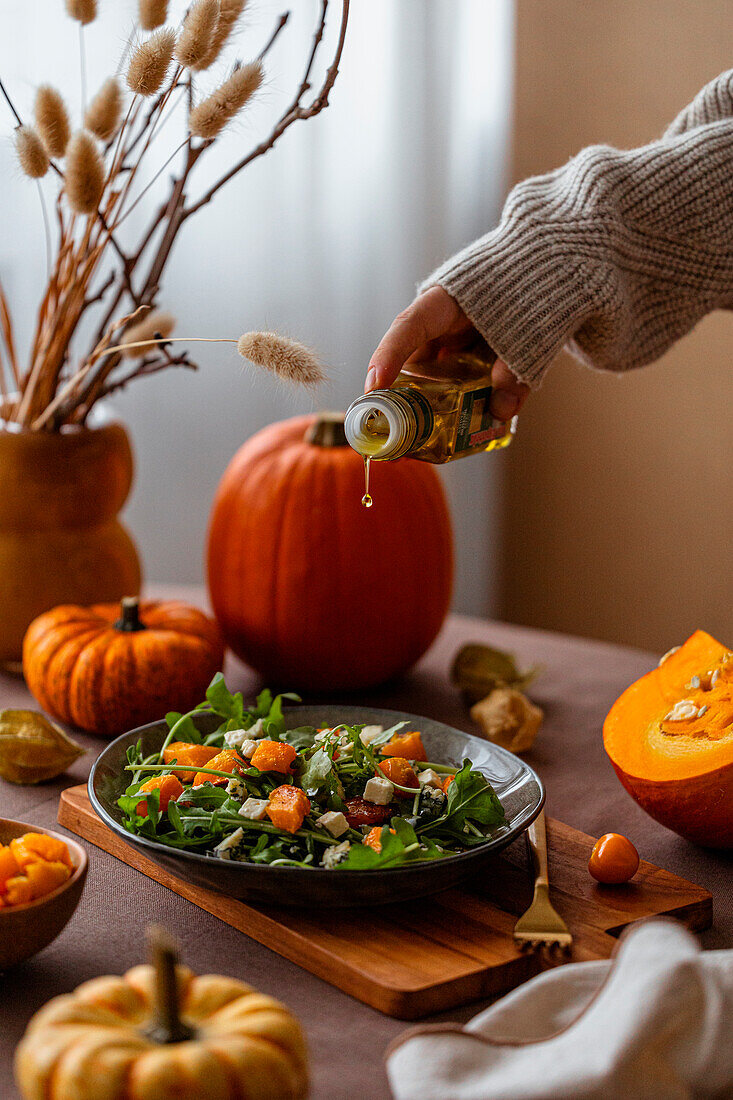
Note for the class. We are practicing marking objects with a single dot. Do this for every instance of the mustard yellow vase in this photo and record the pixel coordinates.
(60, 539)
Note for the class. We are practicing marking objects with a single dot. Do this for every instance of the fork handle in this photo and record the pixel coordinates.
(537, 839)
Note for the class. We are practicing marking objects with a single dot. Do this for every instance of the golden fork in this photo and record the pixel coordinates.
(541, 925)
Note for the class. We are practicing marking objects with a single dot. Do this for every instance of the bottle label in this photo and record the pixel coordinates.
(476, 425)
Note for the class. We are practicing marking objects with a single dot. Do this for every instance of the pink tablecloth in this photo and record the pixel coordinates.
(580, 681)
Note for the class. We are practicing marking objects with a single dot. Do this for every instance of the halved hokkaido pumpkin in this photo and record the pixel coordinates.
(670, 740)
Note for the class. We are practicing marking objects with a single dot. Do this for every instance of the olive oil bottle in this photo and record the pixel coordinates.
(437, 411)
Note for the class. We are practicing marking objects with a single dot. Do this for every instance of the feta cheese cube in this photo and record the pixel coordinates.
(379, 791)
(238, 739)
(369, 733)
(229, 844)
(335, 854)
(236, 788)
(430, 778)
(254, 809)
(334, 822)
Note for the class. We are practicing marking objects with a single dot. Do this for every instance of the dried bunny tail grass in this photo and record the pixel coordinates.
(286, 358)
(153, 13)
(156, 323)
(150, 61)
(84, 11)
(31, 152)
(103, 114)
(197, 33)
(84, 174)
(52, 120)
(229, 14)
(213, 113)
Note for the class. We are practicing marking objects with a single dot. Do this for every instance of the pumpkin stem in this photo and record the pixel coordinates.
(129, 619)
(167, 1026)
(327, 431)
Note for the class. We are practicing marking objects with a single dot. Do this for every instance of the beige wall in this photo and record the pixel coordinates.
(619, 506)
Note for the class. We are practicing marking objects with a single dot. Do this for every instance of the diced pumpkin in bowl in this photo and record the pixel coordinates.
(407, 745)
(273, 756)
(34, 846)
(8, 867)
(226, 761)
(45, 876)
(398, 770)
(187, 752)
(287, 807)
(169, 788)
(18, 891)
(373, 839)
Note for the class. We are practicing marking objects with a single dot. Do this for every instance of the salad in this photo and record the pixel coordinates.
(343, 797)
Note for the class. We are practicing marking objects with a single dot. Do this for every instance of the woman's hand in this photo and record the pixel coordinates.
(434, 323)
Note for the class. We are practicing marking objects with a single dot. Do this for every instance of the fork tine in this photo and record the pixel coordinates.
(541, 925)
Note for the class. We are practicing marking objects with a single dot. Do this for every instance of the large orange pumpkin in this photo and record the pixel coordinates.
(670, 739)
(108, 668)
(312, 589)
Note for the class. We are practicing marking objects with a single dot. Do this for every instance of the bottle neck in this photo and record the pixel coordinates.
(387, 424)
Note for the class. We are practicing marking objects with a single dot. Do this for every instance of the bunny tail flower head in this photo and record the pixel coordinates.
(155, 324)
(149, 63)
(285, 358)
(229, 15)
(52, 120)
(84, 174)
(103, 114)
(213, 113)
(84, 11)
(197, 35)
(153, 13)
(31, 153)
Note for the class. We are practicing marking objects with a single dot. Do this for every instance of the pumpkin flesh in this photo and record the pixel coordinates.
(680, 770)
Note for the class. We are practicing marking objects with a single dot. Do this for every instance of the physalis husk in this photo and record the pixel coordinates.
(32, 748)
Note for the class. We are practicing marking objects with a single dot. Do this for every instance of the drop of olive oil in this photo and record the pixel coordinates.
(366, 500)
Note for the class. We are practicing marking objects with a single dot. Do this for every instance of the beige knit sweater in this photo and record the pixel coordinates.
(617, 254)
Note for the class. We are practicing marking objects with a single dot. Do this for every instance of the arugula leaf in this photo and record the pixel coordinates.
(187, 730)
(470, 798)
(387, 735)
(301, 737)
(221, 700)
(316, 772)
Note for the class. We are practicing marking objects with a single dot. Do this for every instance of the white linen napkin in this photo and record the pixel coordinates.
(655, 1022)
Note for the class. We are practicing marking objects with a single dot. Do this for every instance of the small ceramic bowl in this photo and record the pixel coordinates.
(27, 929)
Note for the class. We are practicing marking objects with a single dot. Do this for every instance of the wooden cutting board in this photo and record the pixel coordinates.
(413, 960)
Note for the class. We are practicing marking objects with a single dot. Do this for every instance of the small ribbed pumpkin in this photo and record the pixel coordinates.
(109, 668)
(309, 587)
(160, 1033)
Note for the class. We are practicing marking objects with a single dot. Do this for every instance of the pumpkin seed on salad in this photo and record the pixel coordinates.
(345, 797)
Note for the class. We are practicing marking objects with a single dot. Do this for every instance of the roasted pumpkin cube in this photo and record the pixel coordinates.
(373, 839)
(8, 867)
(169, 788)
(287, 807)
(398, 770)
(273, 756)
(32, 846)
(18, 891)
(447, 782)
(187, 752)
(46, 876)
(408, 745)
(228, 760)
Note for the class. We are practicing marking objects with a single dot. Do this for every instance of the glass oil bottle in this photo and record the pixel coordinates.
(436, 411)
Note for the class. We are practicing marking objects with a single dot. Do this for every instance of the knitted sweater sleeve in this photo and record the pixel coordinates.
(617, 254)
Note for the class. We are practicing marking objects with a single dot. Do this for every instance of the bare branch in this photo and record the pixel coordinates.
(294, 112)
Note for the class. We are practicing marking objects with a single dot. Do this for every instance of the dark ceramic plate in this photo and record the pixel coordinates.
(517, 785)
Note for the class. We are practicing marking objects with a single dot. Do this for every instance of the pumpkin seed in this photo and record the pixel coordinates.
(668, 654)
(682, 710)
(32, 748)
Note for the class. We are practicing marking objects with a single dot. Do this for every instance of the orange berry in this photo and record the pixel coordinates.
(614, 859)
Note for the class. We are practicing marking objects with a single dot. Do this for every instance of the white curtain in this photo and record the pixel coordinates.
(323, 239)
